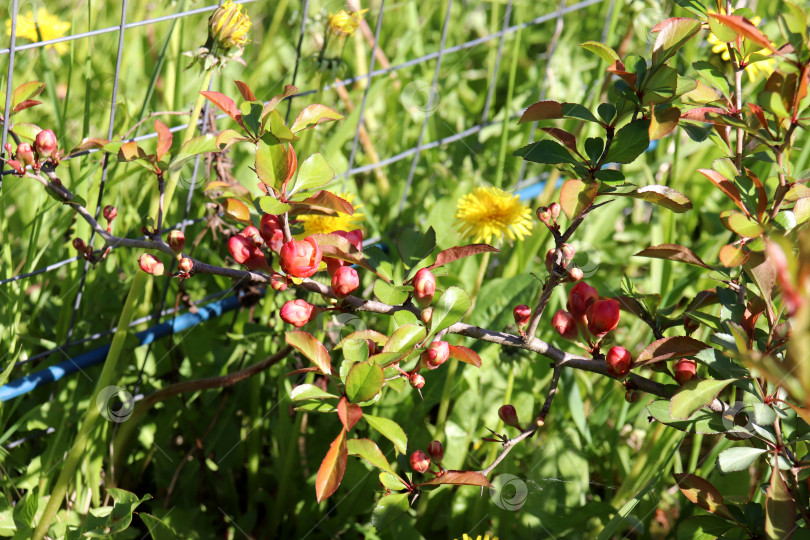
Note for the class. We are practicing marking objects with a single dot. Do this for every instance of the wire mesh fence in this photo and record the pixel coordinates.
(422, 97)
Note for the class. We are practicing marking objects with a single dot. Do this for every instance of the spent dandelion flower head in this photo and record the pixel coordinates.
(490, 212)
(344, 23)
(229, 25)
(314, 224)
(755, 63)
(41, 26)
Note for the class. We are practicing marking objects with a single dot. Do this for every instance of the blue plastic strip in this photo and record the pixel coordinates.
(34, 380)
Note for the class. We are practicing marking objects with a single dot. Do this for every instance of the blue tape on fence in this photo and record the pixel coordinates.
(34, 380)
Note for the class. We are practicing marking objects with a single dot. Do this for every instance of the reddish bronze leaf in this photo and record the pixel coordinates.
(576, 196)
(745, 28)
(224, 103)
(668, 348)
(332, 468)
(563, 136)
(725, 185)
(324, 201)
(459, 478)
(702, 493)
(164, 139)
(289, 90)
(673, 252)
(349, 413)
(619, 70)
(459, 252)
(731, 256)
(463, 354)
(700, 114)
(542, 110)
(762, 196)
(244, 89)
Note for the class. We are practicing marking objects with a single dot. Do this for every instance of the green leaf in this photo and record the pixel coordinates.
(630, 142)
(609, 175)
(365, 380)
(576, 196)
(663, 196)
(594, 146)
(390, 294)
(661, 87)
(603, 51)
(355, 350)
(193, 147)
(546, 151)
(744, 226)
(606, 111)
(703, 421)
(278, 128)
(390, 430)
(737, 458)
(309, 391)
(392, 481)
(25, 510)
(313, 173)
(663, 121)
(25, 92)
(712, 75)
(271, 205)
(271, 161)
(405, 338)
(158, 529)
(672, 36)
(695, 6)
(252, 115)
(694, 395)
(575, 110)
(313, 115)
(780, 509)
(450, 308)
(368, 450)
(414, 246)
(310, 347)
(388, 509)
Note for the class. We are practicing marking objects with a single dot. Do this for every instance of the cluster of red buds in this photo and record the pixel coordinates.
(420, 461)
(301, 259)
(588, 315)
(548, 216)
(567, 252)
(46, 148)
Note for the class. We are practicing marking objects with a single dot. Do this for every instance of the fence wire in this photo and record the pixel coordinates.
(365, 78)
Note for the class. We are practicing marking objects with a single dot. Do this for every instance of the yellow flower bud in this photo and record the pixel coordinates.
(344, 23)
(229, 25)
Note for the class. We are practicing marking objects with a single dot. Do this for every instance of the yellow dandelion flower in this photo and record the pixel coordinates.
(490, 212)
(229, 25)
(753, 69)
(50, 27)
(344, 23)
(328, 224)
(466, 536)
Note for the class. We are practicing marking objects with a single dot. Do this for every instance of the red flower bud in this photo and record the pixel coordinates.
(543, 215)
(345, 281)
(551, 257)
(150, 264)
(603, 316)
(436, 451)
(110, 212)
(424, 287)
(272, 232)
(301, 258)
(297, 312)
(563, 322)
(580, 297)
(436, 354)
(177, 241)
(416, 380)
(420, 462)
(618, 361)
(685, 370)
(373, 348)
(554, 209)
(631, 395)
(575, 274)
(25, 154)
(278, 282)
(355, 238)
(252, 233)
(690, 324)
(16, 165)
(522, 314)
(508, 414)
(241, 248)
(78, 244)
(185, 265)
(426, 315)
(568, 253)
(45, 143)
